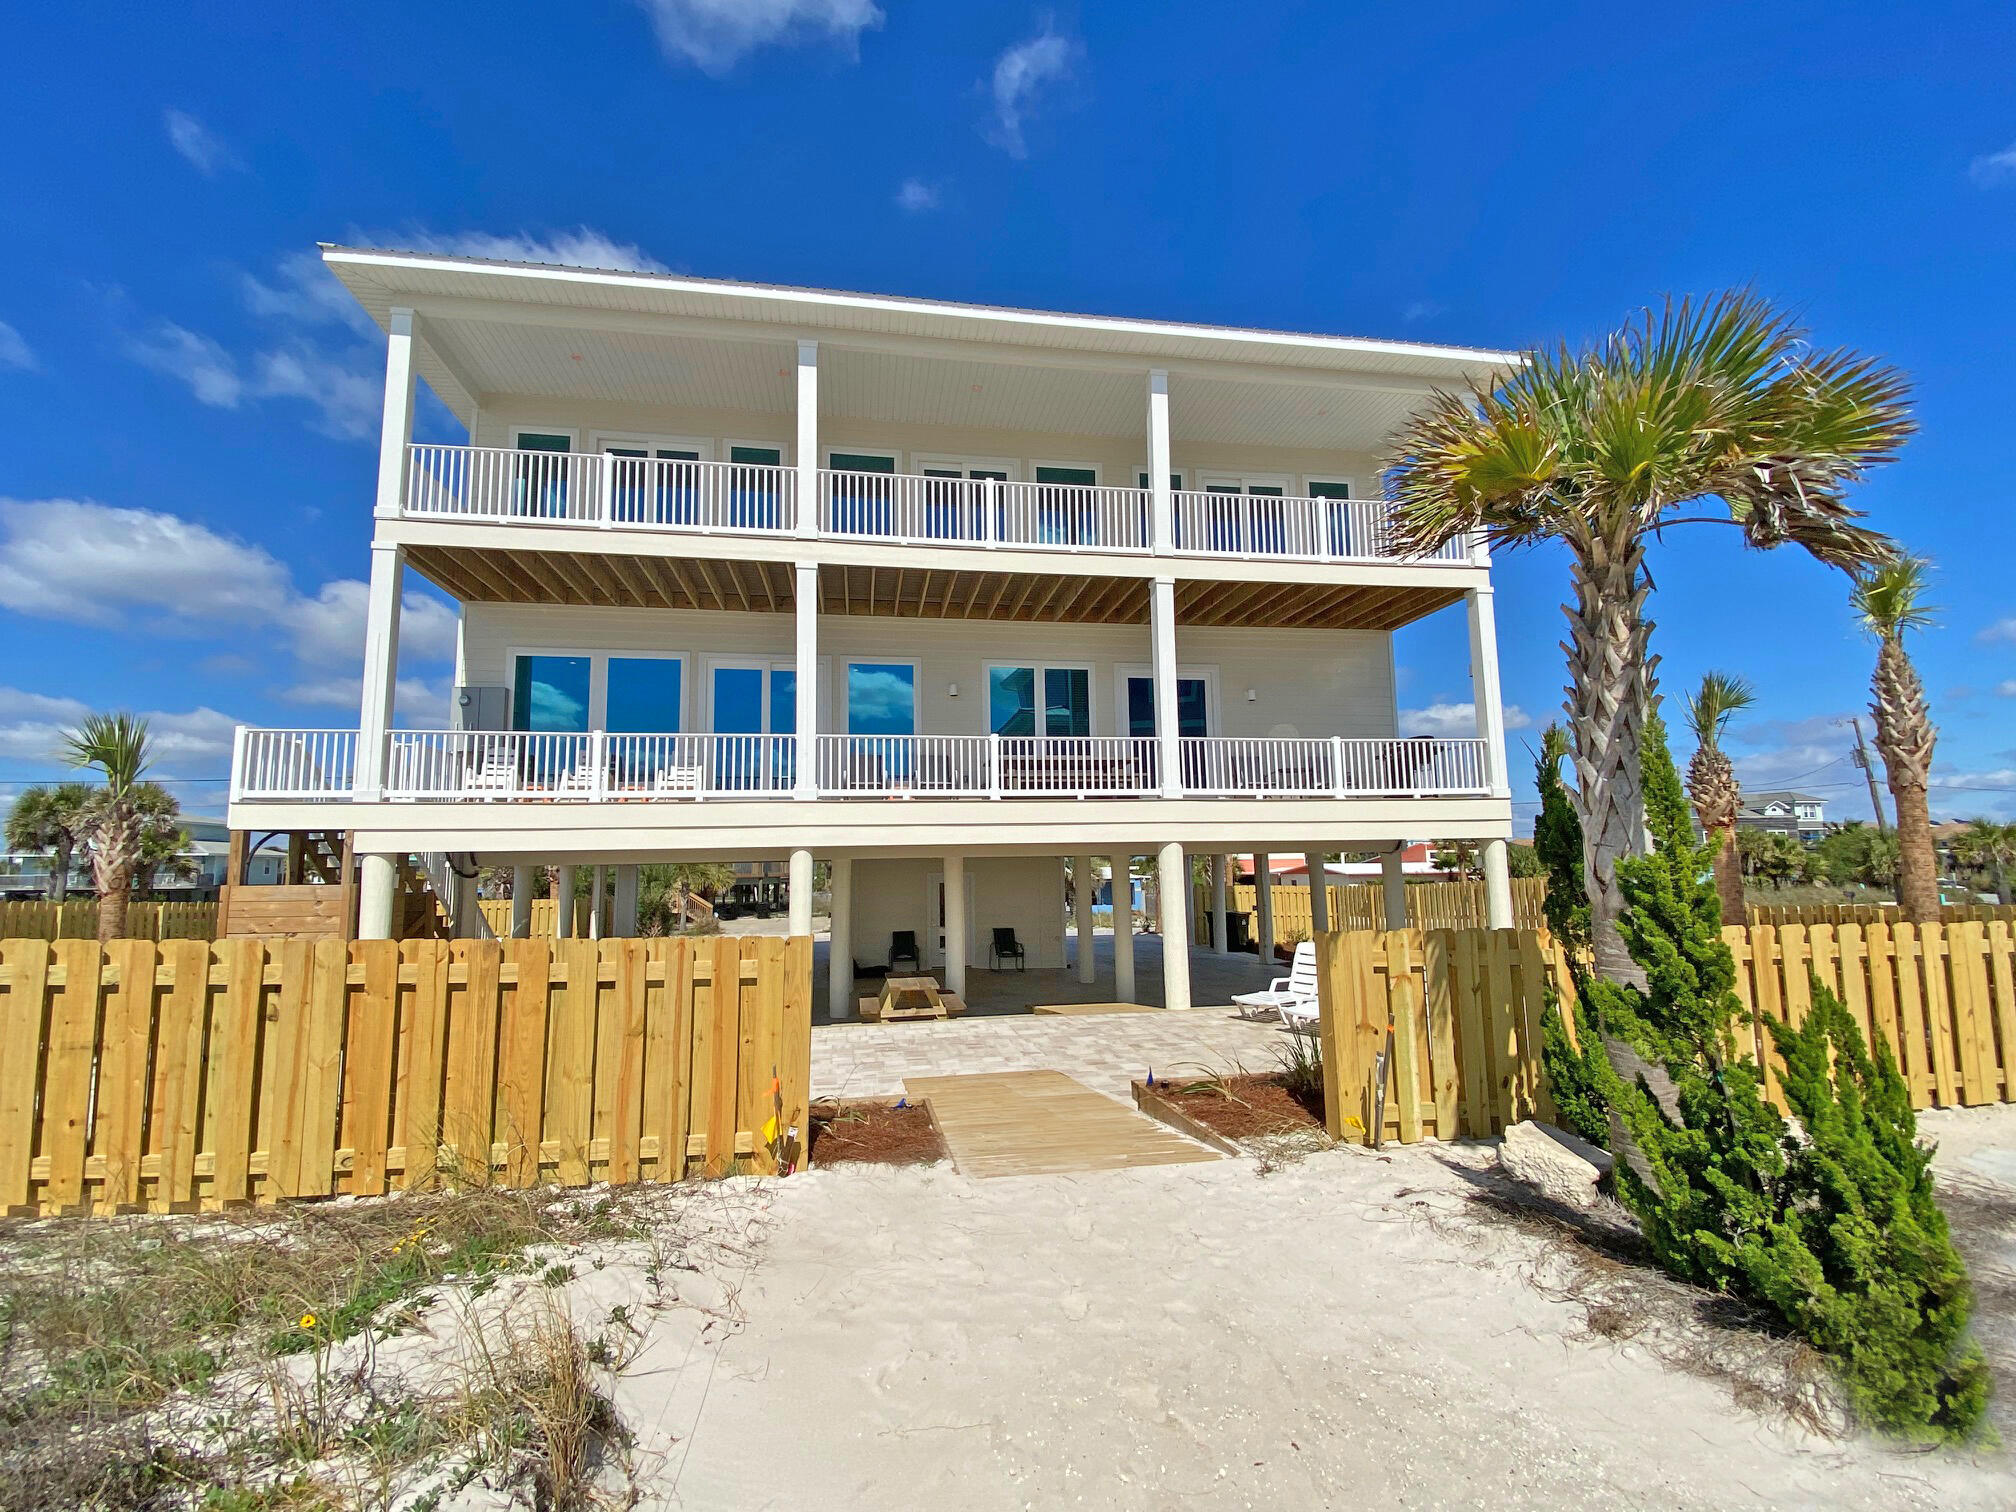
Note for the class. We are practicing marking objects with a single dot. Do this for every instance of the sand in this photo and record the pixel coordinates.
(1346, 1331)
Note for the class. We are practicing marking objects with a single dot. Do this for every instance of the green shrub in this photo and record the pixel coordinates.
(1831, 1226)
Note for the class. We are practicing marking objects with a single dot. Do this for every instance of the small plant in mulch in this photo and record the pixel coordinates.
(1242, 1104)
(874, 1133)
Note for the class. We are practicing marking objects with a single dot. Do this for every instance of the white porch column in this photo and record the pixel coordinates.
(521, 902)
(1162, 634)
(1484, 689)
(381, 666)
(955, 924)
(395, 428)
(1172, 877)
(1319, 892)
(1123, 928)
(805, 610)
(808, 438)
(840, 949)
(597, 901)
(563, 903)
(1263, 903)
(1393, 879)
(623, 920)
(801, 892)
(1082, 883)
(1497, 886)
(1221, 881)
(1162, 510)
(377, 896)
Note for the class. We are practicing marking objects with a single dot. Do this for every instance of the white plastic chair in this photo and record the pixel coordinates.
(1286, 995)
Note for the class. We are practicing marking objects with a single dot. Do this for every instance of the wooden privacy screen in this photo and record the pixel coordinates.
(79, 920)
(545, 916)
(1464, 1007)
(1941, 994)
(1874, 913)
(183, 1074)
(1362, 906)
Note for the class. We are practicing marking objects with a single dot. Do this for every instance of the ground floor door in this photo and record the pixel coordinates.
(933, 941)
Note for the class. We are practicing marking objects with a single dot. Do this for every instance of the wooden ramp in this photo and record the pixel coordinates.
(1035, 1123)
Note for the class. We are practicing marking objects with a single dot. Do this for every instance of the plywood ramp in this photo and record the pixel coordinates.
(1039, 1123)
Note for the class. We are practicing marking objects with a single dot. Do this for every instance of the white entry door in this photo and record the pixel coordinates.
(934, 910)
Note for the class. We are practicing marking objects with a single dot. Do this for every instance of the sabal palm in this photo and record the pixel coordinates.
(164, 843)
(1890, 600)
(1991, 846)
(1711, 781)
(1600, 449)
(50, 819)
(117, 745)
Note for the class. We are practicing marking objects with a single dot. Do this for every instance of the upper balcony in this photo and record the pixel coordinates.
(690, 496)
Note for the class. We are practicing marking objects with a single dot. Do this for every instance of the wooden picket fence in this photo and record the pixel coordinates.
(1778, 914)
(77, 919)
(1464, 1010)
(1362, 906)
(184, 1075)
(545, 916)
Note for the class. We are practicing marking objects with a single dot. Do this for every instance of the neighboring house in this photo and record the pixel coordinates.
(1416, 862)
(942, 594)
(25, 874)
(1789, 813)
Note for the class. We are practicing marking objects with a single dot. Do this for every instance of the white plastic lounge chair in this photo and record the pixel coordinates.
(1285, 993)
(676, 779)
(1304, 1015)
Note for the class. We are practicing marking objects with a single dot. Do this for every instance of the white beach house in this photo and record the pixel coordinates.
(941, 594)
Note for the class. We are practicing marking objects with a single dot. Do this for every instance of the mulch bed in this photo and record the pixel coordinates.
(1241, 1107)
(874, 1133)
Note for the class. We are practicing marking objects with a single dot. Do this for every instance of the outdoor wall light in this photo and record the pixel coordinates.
(952, 691)
(1251, 696)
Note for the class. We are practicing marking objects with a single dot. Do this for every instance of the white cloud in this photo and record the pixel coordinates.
(714, 34)
(914, 195)
(422, 702)
(2001, 630)
(191, 358)
(304, 292)
(349, 402)
(1994, 167)
(1456, 720)
(205, 151)
(1022, 73)
(1421, 309)
(32, 727)
(2005, 689)
(583, 247)
(88, 563)
(15, 353)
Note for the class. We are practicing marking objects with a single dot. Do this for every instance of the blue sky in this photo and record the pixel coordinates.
(188, 412)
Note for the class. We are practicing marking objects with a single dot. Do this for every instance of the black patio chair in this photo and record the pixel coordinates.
(903, 947)
(1006, 948)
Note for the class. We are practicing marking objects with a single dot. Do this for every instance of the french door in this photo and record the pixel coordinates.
(751, 699)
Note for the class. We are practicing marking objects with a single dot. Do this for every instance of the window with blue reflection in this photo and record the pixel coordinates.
(738, 700)
(1067, 701)
(645, 694)
(783, 701)
(881, 698)
(550, 693)
(1011, 700)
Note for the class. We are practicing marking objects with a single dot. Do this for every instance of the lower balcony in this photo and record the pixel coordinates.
(477, 767)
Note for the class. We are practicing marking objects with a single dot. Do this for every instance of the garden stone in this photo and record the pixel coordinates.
(1553, 1162)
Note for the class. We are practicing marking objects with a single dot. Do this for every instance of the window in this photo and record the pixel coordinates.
(1345, 534)
(861, 462)
(881, 698)
(539, 484)
(1064, 516)
(757, 456)
(645, 695)
(1066, 695)
(552, 693)
(1175, 479)
(1193, 705)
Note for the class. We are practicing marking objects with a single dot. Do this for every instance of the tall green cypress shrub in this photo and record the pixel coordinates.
(1832, 1224)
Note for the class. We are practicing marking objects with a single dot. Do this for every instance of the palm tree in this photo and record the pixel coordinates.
(116, 744)
(1992, 847)
(1890, 599)
(1712, 785)
(1603, 449)
(50, 819)
(164, 843)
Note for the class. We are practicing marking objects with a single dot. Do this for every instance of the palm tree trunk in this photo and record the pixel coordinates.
(1729, 879)
(2002, 881)
(59, 875)
(1917, 859)
(1611, 681)
(115, 892)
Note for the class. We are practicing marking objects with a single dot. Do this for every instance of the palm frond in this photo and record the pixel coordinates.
(116, 744)
(1721, 696)
(1889, 598)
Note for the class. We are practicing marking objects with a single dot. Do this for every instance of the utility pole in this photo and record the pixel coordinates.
(1869, 771)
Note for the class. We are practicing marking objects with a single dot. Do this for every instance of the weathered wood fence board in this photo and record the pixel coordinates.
(179, 1074)
(1464, 1008)
(1874, 913)
(78, 920)
(545, 916)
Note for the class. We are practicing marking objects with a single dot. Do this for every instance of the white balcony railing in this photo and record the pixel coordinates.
(592, 491)
(581, 488)
(532, 766)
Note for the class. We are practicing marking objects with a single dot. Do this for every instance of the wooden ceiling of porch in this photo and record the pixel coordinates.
(630, 582)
